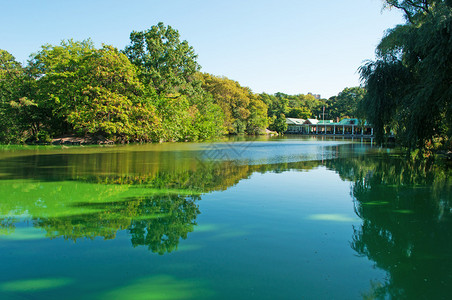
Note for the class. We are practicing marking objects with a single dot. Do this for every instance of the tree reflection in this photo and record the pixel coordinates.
(162, 234)
(406, 229)
(153, 196)
(7, 225)
(158, 222)
(405, 206)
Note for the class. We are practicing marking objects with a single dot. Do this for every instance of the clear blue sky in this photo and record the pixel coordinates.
(289, 46)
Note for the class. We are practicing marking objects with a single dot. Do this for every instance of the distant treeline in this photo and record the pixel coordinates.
(151, 91)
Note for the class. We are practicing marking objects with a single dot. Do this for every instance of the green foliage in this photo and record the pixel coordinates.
(243, 110)
(299, 113)
(278, 117)
(208, 119)
(257, 120)
(385, 82)
(345, 104)
(279, 124)
(164, 61)
(91, 91)
(18, 111)
(75, 88)
(302, 101)
(170, 67)
(152, 91)
(412, 9)
(182, 120)
(59, 80)
(293, 106)
(175, 117)
(409, 85)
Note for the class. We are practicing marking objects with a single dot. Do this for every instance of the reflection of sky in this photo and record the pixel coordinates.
(273, 152)
(312, 192)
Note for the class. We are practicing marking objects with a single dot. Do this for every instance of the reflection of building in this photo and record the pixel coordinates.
(314, 126)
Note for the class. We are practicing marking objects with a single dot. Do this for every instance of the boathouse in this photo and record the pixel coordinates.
(344, 127)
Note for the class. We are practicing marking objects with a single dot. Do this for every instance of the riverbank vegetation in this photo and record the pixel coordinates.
(152, 91)
(133, 95)
(409, 85)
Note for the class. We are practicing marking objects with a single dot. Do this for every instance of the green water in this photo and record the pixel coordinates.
(264, 219)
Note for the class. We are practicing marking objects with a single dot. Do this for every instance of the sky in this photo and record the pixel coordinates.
(288, 46)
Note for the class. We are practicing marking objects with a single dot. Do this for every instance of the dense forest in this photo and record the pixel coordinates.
(152, 91)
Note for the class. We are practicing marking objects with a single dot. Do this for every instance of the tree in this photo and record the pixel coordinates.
(11, 73)
(345, 104)
(409, 85)
(297, 106)
(257, 121)
(113, 101)
(18, 111)
(88, 91)
(243, 111)
(56, 70)
(74, 88)
(164, 61)
(278, 118)
(412, 9)
(209, 118)
(300, 113)
(169, 65)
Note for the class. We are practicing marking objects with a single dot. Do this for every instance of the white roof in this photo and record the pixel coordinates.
(294, 121)
(313, 121)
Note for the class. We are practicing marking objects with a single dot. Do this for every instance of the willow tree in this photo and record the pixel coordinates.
(409, 86)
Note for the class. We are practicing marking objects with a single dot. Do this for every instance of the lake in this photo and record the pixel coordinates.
(280, 218)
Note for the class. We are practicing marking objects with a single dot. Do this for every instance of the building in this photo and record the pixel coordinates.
(352, 127)
(316, 96)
